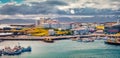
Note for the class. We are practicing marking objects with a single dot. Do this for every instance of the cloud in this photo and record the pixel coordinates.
(37, 16)
(32, 8)
(35, 0)
(99, 4)
(58, 6)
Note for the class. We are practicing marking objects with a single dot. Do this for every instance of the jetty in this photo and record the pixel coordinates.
(25, 37)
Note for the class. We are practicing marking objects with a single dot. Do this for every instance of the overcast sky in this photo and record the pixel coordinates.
(113, 4)
(19, 8)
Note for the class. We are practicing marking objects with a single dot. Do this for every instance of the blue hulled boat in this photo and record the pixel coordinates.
(16, 52)
(28, 49)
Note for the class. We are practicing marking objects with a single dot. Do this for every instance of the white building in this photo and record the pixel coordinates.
(51, 32)
(40, 21)
(65, 26)
(5, 26)
(47, 25)
(55, 25)
(80, 31)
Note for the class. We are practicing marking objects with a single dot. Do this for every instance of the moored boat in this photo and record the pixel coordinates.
(12, 53)
(17, 50)
(113, 41)
(28, 49)
(88, 40)
(49, 40)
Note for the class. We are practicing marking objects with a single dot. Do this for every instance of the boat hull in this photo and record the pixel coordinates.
(17, 52)
(112, 43)
(48, 40)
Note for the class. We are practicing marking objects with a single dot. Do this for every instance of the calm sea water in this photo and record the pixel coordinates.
(66, 49)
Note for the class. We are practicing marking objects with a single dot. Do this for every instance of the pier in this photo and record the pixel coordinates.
(25, 37)
(36, 37)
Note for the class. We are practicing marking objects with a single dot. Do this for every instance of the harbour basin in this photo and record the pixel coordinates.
(65, 49)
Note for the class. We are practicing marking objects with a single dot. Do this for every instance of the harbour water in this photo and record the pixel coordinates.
(65, 49)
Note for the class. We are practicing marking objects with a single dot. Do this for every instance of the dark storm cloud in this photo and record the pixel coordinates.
(46, 7)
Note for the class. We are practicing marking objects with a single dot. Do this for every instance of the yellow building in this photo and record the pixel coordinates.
(100, 27)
